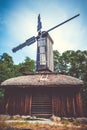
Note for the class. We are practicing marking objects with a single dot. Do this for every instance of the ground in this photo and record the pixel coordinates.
(29, 123)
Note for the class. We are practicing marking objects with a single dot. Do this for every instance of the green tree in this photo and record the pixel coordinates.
(56, 60)
(78, 63)
(6, 59)
(61, 61)
(6, 67)
(28, 66)
(74, 63)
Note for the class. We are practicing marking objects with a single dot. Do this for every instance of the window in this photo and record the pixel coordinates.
(42, 49)
(41, 42)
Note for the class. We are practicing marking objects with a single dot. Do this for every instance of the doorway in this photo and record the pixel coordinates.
(41, 105)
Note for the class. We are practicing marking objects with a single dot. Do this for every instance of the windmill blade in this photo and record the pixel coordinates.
(39, 26)
(30, 40)
(26, 43)
(19, 47)
(62, 23)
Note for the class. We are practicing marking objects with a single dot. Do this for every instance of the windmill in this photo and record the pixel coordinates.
(44, 60)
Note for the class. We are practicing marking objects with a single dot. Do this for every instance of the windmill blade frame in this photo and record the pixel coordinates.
(26, 43)
(62, 23)
(33, 39)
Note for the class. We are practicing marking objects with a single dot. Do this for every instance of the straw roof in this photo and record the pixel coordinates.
(55, 80)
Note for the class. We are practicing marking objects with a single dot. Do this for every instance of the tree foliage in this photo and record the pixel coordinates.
(28, 66)
(8, 69)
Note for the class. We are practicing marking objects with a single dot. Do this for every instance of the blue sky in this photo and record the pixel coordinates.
(18, 22)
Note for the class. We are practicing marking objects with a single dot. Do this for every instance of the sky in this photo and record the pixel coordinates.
(18, 22)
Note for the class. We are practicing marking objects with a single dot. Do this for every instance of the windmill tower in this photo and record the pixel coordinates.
(44, 49)
(45, 53)
(44, 61)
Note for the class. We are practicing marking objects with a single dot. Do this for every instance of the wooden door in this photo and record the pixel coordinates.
(41, 105)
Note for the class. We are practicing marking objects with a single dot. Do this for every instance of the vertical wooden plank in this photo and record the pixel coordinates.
(74, 108)
(79, 104)
(27, 108)
(59, 114)
(30, 105)
(67, 104)
(6, 105)
(52, 105)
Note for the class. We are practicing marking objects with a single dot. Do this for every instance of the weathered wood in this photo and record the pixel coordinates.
(41, 105)
(67, 104)
(43, 101)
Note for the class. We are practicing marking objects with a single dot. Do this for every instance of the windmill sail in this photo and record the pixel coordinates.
(39, 26)
(61, 24)
(26, 43)
(44, 60)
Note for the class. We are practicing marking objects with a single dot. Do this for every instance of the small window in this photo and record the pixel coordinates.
(41, 42)
(42, 49)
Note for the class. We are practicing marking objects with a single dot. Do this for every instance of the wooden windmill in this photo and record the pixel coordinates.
(43, 94)
(44, 60)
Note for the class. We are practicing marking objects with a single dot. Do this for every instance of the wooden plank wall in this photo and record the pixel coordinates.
(65, 101)
(17, 102)
(67, 104)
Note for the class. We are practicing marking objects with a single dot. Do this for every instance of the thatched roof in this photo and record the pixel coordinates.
(55, 80)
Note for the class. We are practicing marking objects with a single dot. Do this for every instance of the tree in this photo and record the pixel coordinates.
(56, 61)
(6, 67)
(61, 61)
(28, 66)
(78, 63)
(74, 63)
(6, 59)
